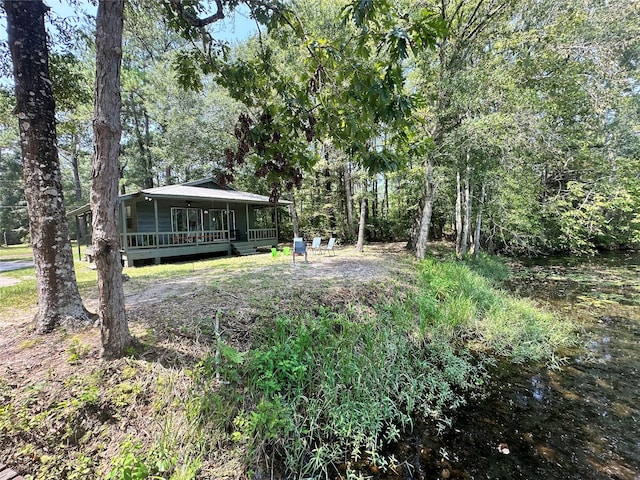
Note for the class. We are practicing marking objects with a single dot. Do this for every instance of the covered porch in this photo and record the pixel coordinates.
(185, 220)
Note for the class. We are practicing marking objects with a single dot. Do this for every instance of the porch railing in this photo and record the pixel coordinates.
(262, 233)
(182, 239)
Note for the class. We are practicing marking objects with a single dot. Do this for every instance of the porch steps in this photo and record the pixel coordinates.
(243, 249)
(7, 474)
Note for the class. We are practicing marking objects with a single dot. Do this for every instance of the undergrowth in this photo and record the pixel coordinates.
(325, 387)
(319, 393)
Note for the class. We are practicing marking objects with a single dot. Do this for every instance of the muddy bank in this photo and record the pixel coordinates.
(579, 420)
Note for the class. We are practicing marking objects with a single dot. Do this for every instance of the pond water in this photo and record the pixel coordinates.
(579, 421)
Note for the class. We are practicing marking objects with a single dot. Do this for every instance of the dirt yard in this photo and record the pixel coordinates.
(172, 318)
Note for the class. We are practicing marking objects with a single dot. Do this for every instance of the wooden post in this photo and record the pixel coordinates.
(247, 210)
(123, 219)
(78, 236)
(155, 214)
(228, 231)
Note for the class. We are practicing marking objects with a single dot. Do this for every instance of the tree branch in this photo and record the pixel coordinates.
(193, 20)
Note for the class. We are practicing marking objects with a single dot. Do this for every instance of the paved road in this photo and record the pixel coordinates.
(14, 265)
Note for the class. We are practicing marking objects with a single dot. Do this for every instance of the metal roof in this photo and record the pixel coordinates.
(188, 192)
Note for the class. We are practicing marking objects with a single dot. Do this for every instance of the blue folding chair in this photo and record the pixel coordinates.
(299, 248)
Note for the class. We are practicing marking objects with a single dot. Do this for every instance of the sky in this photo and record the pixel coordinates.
(234, 29)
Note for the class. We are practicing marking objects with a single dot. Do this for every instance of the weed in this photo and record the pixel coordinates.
(76, 351)
(344, 384)
(30, 343)
(128, 465)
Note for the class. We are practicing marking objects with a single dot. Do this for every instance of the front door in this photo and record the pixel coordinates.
(218, 219)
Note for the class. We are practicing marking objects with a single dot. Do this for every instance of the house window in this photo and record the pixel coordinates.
(186, 219)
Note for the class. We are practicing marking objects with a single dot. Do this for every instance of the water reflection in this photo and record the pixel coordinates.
(579, 422)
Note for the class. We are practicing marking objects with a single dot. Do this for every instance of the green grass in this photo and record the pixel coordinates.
(15, 252)
(324, 382)
(21, 295)
(24, 294)
(316, 391)
(464, 304)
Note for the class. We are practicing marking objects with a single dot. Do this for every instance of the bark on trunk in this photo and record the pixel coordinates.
(75, 165)
(458, 214)
(466, 222)
(375, 205)
(59, 301)
(104, 186)
(144, 142)
(476, 243)
(427, 210)
(349, 198)
(386, 197)
(328, 189)
(363, 216)
(294, 217)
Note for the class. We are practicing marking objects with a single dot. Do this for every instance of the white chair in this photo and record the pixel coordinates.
(329, 247)
(315, 245)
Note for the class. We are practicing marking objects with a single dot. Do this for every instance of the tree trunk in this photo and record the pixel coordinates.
(294, 217)
(104, 187)
(375, 207)
(458, 214)
(476, 243)
(75, 165)
(329, 201)
(168, 176)
(427, 210)
(466, 222)
(349, 198)
(363, 216)
(59, 301)
(385, 202)
(143, 141)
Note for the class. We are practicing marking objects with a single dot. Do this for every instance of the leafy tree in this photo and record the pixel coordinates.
(59, 299)
(72, 90)
(14, 221)
(468, 27)
(338, 84)
(573, 65)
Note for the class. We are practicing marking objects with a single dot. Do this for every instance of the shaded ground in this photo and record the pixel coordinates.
(116, 401)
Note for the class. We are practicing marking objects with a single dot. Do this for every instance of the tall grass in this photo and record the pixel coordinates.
(330, 389)
(462, 303)
(315, 392)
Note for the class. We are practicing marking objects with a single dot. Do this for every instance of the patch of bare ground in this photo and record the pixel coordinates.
(65, 411)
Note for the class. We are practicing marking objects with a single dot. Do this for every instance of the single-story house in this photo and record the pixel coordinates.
(192, 218)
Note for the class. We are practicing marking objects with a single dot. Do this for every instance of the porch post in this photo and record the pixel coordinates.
(78, 236)
(123, 221)
(155, 214)
(228, 231)
(247, 209)
(123, 236)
